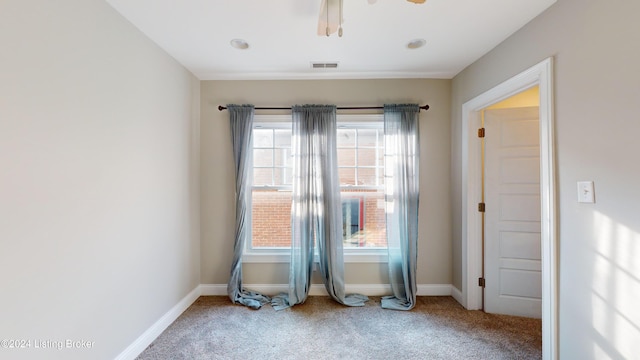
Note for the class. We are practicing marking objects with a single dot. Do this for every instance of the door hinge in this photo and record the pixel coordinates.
(481, 282)
(481, 132)
(481, 207)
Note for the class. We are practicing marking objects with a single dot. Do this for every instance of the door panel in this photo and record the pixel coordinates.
(520, 170)
(513, 278)
(524, 132)
(517, 207)
(519, 245)
(520, 284)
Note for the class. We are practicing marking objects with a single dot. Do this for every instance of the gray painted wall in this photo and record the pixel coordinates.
(434, 264)
(596, 46)
(99, 225)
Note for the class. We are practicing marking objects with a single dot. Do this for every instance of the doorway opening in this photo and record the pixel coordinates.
(539, 75)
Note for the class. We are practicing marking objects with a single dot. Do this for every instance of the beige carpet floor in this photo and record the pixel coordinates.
(437, 328)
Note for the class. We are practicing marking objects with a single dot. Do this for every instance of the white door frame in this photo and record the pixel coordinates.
(541, 75)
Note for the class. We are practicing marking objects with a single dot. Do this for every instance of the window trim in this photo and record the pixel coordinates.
(351, 255)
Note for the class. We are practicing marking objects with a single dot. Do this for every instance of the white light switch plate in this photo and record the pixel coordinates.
(585, 192)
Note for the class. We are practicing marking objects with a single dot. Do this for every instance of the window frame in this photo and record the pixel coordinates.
(351, 254)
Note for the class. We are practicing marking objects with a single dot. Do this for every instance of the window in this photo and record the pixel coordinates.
(361, 172)
(360, 148)
(272, 177)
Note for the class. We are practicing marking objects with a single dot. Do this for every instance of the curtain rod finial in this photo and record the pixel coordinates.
(220, 108)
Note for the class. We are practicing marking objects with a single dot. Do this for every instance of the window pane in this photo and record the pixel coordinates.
(283, 157)
(366, 157)
(347, 176)
(367, 137)
(283, 138)
(282, 176)
(346, 137)
(346, 157)
(262, 177)
(352, 221)
(262, 157)
(363, 219)
(262, 138)
(367, 176)
(271, 219)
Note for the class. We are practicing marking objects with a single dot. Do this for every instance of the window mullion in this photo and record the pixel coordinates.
(355, 172)
(273, 156)
(377, 157)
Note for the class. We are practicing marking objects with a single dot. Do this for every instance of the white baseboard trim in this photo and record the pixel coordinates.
(319, 290)
(456, 294)
(434, 290)
(213, 289)
(144, 340)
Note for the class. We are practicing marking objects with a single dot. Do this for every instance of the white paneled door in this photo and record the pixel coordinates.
(512, 214)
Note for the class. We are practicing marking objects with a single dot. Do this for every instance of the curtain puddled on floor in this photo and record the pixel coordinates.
(402, 149)
(316, 214)
(241, 121)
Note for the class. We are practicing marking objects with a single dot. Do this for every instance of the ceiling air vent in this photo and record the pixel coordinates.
(330, 65)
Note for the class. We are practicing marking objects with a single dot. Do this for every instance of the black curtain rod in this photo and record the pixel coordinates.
(424, 107)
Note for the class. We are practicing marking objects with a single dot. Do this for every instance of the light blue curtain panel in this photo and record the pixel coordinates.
(402, 150)
(316, 214)
(241, 121)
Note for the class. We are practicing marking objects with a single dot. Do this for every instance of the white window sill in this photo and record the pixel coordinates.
(350, 256)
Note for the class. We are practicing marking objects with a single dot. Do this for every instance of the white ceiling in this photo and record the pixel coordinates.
(283, 40)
